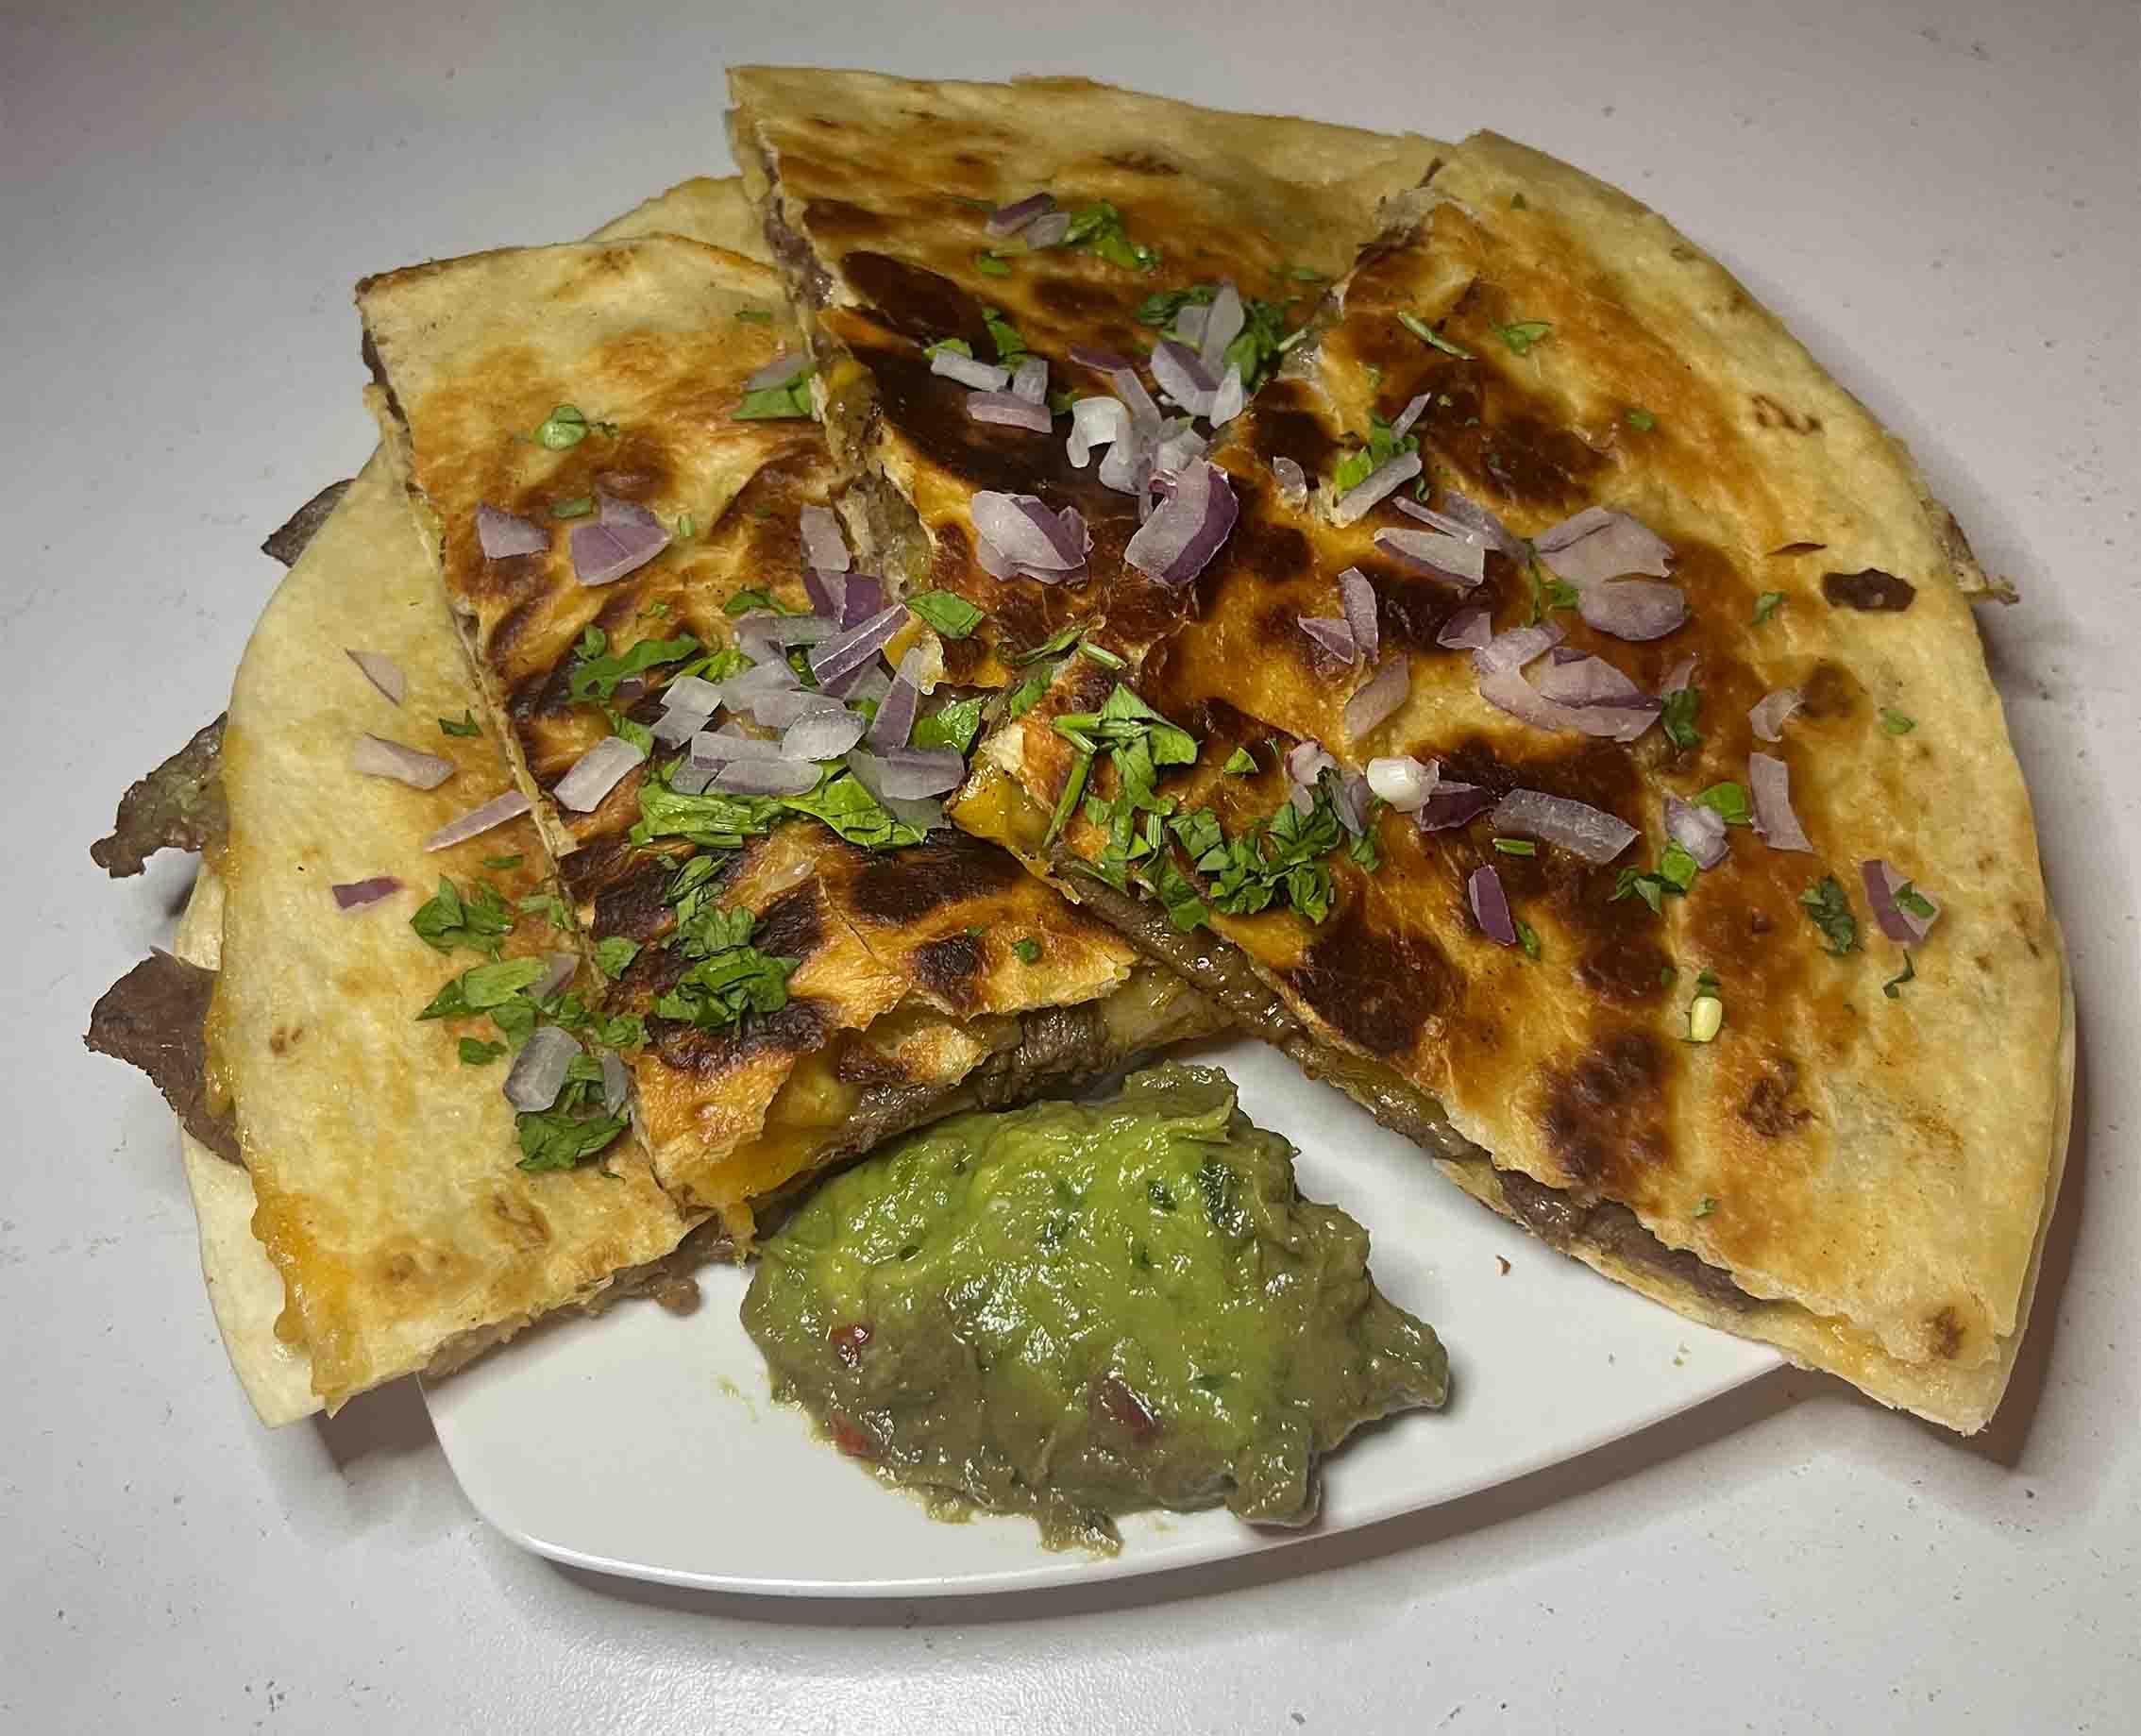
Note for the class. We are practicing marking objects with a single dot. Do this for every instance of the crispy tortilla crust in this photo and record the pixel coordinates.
(875, 191)
(1827, 1150)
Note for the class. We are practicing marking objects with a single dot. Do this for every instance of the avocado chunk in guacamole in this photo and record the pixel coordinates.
(1078, 1311)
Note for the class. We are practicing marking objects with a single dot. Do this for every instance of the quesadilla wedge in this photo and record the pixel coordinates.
(951, 245)
(1570, 752)
(809, 969)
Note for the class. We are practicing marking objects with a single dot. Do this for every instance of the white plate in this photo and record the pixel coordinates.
(647, 1445)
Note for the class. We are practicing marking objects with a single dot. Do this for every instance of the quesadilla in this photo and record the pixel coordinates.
(951, 246)
(1581, 750)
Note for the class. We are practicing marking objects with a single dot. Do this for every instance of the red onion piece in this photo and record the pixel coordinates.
(1769, 782)
(1182, 445)
(865, 597)
(1102, 360)
(1128, 468)
(1096, 422)
(1403, 781)
(1224, 321)
(553, 981)
(1026, 531)
(1292, 480)
(1435, 553)
(827, 591)
(476, 821)
(1006, 410)
(356, 894)
(1699, 831)
(1612, 543)
(1490, 906)
(691, 779)
(857, 644)
(1516, 647)
(377, 757)
(1453, 804)
(764, 627)
(872, 682)
(1144, 414)
(907, 774)
(895, 720)
(616, 1084)
(1189, 323)
(1047, 231)
(1475, 524)
(1335, 636)
(1769, 714)
(1591, 832)
(1306, 762)
(1880, 881)
(1010, 219)
(596, 773)
(1231, 399)
(1179, 540)
(778, 371)
(1635, 609)
(1508, 690)
(1386, 479)
(1029, 380)
(764, 778)
(1182, 378)
(677, 725)
(383, 673)
(1350, 803)
(718, 747)
(504, 535)
(822, 735)
(1573, 528)
(1467, 630)
(1410, 414)
(1575, 678)
(1065, 530)
(1684, 672)
(782, 707)
(1378, 697)
(618, 513)
(1358, 598)
(538, 1071)
(824, 545)
(690, 692)
(982, 375)
(739, 692)
(603, 553)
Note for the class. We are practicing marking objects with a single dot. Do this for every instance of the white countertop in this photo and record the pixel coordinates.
(1940, 198)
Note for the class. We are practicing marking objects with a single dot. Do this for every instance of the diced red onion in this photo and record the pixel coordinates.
(865, 597)
(616, 1084)
(505, 535)
(1096, 422)
(1306, 762)
(377, 757)
(1516, 647)
(1129, 466)
(778, 371)
(552, 982)
(857, 644)
(1027, 533)
(356, 894)
(719, 747)
(1490, 906)
(1029, 380)
(1189, 322)
(1467, 630)
(1573, 528)
(602, 553)
(620, 515)
(766, 626)
(1102, 360)
(1880, 881)
(1591, 832)
(677, 725)
(1351, 804)
(1144, 414)
(1452, 804)
(822, 735)
(1683, 673)
(1634, 609)
(1179, 540)
(1292, 480)
(1612, 543)
(895, 720)
(1334, 635)
(476, 821)
(1358, 599)
(1224, 321)
(383, 673)
(1769, 782)
(1231, 399)
(1178, 448)
(827, 591)
(1183, 377)
(692, 693)
(1386, 479)
(908, 774)
(764, 778)
(596, 773)
(1508, 690)
(1403, 781)
(691, 779)
(1006, 409)
(1010, 219)
(739, 692)
(1474, 523)
(871, 683)
(1435, 552)
(1410, 414)
(1699, 831)
(982, 375)
(1575, 678)
(1768, 716)
(538, 1071)
(782, 707)
(824, 545)
(1047, 231)
(1378, 697)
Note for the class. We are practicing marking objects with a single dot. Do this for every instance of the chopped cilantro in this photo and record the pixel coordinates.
(1527, 938)
(467, 726)
(654, 611)
(991, 267)
(1178, 893)
(756, 316)
(791, 399)
(1516, 201)
(1678, 718)
(1053, 645)
(1428, 335)
(1909, 898)
(729, 977)
(1520, 335)
(577, 506)
(1263, 337)
(1767, 605)
(484, 987)
(637, 734)
(1100, 228)
(1667, 976)
(513, 861)
(1549, 593)
(1705, 1205)
(597, 675)
(1729, 802)
(687, 526)
(1010, 348)
(1028, 949)
(1241, 764)
(950, 614)
(1516, 847)
(1102, 655)
(1893, 988)
(552, 908)
(1894, 723)
(613, 955)
(958, 346)
(1673, 876)
(1382, 446)
(571, 1130)
(1829, 911)
(475, 1053)
(1676, 868)
(842, 803)
(568, 426)
(949, 726)
(743, 601)
(447, 920)
(1639, 418)
(1025, 696)
(1060, 403)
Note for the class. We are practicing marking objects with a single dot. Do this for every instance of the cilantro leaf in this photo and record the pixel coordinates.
(1829, 911)
(1909, 898)
(1028, 949)
(447, 920)
(1516, 847)
(484, 987)
(714, 820)
(1729, 803)
(1639, 419)
(1428, 335)
(1099, 227)
(729, 978)
(756, 316)
(513, 861)
(467, 726)
(1185, 904)
(552, 908)
(950, 614)
(613, 955)
(1520, 335)
(576, 506)
(475, 1053)
(949, 726)
(1025, 696)
(1894, 723)
(570, 1132)
(1241, 764)
(1527, 938)
(1893, 988)
(790, 399)
(597, 675)
(989, 265)
(743, 601)
(1678, 715)
(567, 426)
(842, 803)
(1010, 347)
(1767, 605)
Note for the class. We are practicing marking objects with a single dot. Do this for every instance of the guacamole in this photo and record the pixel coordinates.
(1078, 1311)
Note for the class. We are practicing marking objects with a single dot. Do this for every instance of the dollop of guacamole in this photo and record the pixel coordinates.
(1082, 1309)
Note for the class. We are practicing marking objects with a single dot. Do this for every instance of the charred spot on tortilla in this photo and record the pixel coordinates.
(155, 1017)
(1869, 589)
(1598, 1114)
(904, 887)
(290, 539)
(1769, 1109)
(1377, 986)
(177, 806)
(950, 968)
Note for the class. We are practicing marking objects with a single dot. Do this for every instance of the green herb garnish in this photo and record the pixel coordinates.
(1516, 847)
(756, 316)
(1527, 938)
(1894, 723)
(1241, 764)
(478, 921)
(1893, 988)
(1729, 802)
(1100, 228)
(1639, 419)
(1010, 348)
(1428, 335)
(949, 726)
(613, 955)
(1520, 335)
(1028, 949)
(568, 426)
(550, 907)
(597, 675)
(1678, 715)
(950, 614)
(467, 726)
(574, 1128)
(1767, 605)
(577, 506)
(513, 861)
(790, 399)
(989, 265)
(729, 977)
(1909, 898)
(1829, 911)
(1705, 1205)
(484, 987)
(475, 1053)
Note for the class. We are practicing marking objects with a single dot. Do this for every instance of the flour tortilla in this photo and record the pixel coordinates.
(1859, 1177)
